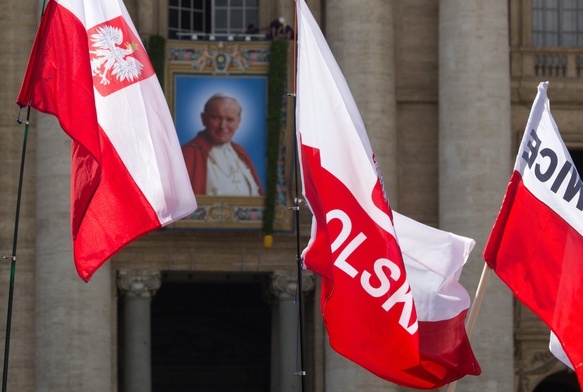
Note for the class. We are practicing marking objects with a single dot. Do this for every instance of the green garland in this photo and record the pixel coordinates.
(156, 51)
(275, 97)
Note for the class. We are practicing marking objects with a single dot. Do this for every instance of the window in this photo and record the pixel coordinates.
(186, 16)
(211, 16)
(557, 22)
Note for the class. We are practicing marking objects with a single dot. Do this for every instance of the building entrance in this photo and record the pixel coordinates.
(211, 335)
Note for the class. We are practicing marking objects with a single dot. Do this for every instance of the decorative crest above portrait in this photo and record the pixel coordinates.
(222, 57)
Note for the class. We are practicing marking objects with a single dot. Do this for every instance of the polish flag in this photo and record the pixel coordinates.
(88, 68)
(412, 336)
(434, 260)
(536, 244)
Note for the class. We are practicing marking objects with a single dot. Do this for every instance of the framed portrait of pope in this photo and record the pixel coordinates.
(219, 105)
(221, 126)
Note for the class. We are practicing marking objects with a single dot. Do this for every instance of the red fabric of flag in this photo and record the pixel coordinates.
(362, 322)
(536, 244)
(128, 175)
(412, 335)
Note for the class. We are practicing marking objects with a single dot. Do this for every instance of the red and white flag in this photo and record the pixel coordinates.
(367, 301)
(536, 244)
(88, 68)
(434, 260)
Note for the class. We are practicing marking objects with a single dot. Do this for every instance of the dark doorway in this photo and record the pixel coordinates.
(564, 381)
(211, 336)
(577, 156)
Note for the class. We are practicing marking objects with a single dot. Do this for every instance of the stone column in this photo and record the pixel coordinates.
(147, 22)
(284, 287)
(361, 36)
(475, 163)
(73, 319)
(137, 287)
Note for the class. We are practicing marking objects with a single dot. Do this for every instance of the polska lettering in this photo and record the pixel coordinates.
(402, 295)
(574, 186)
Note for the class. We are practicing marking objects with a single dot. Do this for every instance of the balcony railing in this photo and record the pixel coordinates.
(547, 62)
(222, 37)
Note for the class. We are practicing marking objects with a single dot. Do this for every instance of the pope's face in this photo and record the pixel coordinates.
(221, 119)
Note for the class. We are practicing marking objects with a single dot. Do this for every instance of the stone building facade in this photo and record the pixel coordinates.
(444, 88)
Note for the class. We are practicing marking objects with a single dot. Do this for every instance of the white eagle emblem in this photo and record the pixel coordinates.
(110, 55)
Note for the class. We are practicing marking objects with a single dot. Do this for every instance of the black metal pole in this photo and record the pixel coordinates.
(15, 240)
(299, 264)
(299, 261)
(13, 257)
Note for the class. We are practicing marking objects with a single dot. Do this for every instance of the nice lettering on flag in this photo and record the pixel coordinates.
(89, 69)
(536, 243)
(548, 170)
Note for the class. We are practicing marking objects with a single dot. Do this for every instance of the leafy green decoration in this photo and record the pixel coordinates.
(157, 53)
(275, 93)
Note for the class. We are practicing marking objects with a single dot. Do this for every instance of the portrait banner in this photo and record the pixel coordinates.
(218, 93)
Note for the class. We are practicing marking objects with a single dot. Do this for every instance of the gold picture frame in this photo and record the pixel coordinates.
(197, 69)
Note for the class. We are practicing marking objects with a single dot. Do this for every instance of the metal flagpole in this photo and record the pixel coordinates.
(15, 241)
(299, 261)
(300, 265)
(474, 310)
(13, 257)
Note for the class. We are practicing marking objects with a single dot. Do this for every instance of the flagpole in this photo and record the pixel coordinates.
(15, 241)
(299, 265)
(300, 372)
(13, 257)
(474, 310)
